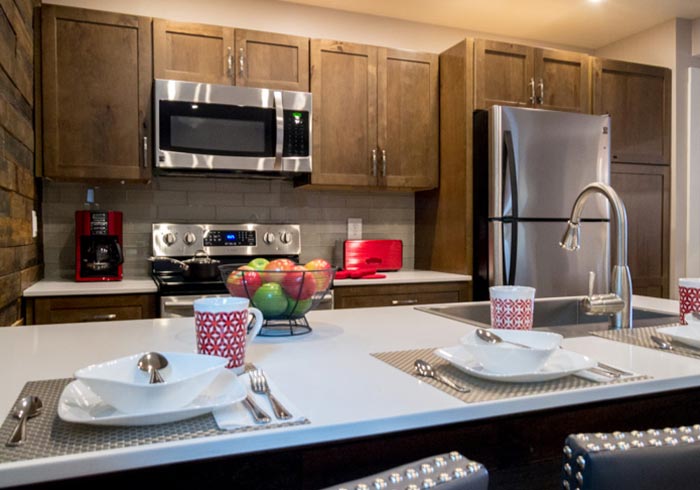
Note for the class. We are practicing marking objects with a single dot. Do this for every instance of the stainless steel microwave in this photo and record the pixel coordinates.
(200, 126)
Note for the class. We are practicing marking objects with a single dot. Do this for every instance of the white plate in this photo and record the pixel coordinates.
(689, 335)
(561, 363)
(80, 404)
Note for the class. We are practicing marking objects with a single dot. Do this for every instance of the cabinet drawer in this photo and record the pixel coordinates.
(77, 309)
(400, 294)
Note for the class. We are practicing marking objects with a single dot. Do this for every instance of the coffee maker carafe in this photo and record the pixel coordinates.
(98, 246)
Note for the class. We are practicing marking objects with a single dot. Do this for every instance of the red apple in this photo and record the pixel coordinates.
(299, 285)
(244, 282)
(320, 274)
(275, 267)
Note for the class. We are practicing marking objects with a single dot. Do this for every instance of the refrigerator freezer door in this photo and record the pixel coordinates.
(544, 265)
(554, 154)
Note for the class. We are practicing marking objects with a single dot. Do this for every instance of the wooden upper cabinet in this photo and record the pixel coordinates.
(344, 86)
(562, 80)
(638, 99)
(268, 60)
(192, 52)
(504, 74)
(96, 87)
(408, 118)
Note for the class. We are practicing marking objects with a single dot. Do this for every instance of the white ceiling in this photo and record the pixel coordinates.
(576, 23)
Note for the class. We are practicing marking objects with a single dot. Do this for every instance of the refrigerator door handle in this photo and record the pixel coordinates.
(496, 274)
(509, 162)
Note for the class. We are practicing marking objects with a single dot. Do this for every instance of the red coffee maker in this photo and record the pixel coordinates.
(98, 246)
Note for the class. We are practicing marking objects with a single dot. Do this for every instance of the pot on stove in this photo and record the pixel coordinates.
(200, 267)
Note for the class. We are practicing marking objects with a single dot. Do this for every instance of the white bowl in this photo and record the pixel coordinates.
(123, 385)
(504, 358)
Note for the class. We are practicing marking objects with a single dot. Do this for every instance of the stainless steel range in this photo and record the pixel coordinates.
(228, 243)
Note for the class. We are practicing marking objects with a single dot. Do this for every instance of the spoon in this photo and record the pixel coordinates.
(663, 345)
(492, 338)
(27, 407)
(151, 362)
(423, 368)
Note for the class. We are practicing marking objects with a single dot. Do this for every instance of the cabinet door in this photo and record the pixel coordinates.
(645, 190)
(400, 294)
(77, 309)
(562, 80)
(97, 80)
(268, 60)
(504, 74)
(638, 98)
(192, 52)
(344, 86)
(408, 118)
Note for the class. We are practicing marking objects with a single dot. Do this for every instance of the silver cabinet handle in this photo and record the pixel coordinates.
(374, 162)
(145, 152)
(383, 163)
(241, 63)
(229, 61)
(396, 302)
(533, 99)
(540, 99)
(100, 318)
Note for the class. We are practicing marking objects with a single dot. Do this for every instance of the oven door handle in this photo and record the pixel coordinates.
(279, 119)
(178, 303)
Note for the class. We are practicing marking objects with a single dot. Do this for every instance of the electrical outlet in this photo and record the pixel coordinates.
(35, 224)
(354, 228)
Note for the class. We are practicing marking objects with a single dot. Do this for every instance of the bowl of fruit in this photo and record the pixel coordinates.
(281, 289)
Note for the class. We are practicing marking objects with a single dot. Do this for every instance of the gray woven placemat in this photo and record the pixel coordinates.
(484, 390)
(48, 435)
(642, 337)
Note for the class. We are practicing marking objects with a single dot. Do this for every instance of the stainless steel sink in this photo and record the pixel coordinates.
(561, 315)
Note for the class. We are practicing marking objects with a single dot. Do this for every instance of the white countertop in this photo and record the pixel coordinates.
(68, 287)
(308, 370)
(404, 277)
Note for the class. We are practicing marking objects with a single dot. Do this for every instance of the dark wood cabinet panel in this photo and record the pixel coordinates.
(400, 294)
(504, 74)
(269, 60)
(638, 99)
(408, 118)
(192, 52)
(645, 190)
(96, 84)
(562, 80)
(76, 309)
(344, 85)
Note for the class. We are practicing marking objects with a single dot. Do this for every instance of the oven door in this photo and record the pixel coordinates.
(182, 306)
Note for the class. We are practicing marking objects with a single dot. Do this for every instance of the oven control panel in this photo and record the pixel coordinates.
(178, 240)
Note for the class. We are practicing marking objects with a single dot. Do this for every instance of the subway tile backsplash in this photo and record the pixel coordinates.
(322, 214)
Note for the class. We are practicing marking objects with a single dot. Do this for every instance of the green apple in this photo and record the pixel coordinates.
(258, 264)
(271, 300)
(296, 309)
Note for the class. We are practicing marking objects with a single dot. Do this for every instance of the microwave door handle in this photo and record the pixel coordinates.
(279, 118)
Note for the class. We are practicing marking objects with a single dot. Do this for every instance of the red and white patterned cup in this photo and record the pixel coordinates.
(689, 295)
(512, 307)
(224, 327)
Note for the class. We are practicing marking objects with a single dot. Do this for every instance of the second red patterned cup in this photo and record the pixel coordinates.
(512, 307)
(689, 296)
(224, 326)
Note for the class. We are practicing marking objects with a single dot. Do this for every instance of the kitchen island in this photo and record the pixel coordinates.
(364, 414)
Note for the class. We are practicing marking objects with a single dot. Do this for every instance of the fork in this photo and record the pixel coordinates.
(258, 382)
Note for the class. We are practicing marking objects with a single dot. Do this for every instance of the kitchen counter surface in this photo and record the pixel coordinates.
(308, 370)
(405, 277)
(68, 287)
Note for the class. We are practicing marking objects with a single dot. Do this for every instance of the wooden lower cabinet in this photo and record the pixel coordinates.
(400, 294)
(78, 309)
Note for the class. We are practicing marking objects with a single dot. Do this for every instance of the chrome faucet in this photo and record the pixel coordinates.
(618, 302)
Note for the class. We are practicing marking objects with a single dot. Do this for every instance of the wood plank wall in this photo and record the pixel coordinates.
(20, 254)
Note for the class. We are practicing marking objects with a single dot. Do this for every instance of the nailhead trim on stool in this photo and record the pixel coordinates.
(612, 461)
(450, 471)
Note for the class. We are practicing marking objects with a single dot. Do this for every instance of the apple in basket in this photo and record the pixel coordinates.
(271, 300)
(244, 282)
(299, 283)
(276, 267)
(258, 263)
(321, 275)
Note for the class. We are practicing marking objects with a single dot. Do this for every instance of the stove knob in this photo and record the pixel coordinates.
(269, 238)
(189, 238)
(169, 238)
(286, 237)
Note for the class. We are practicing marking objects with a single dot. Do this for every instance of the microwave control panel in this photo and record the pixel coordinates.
(296, 134)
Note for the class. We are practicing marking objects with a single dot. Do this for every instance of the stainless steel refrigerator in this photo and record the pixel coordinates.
(529, 167)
